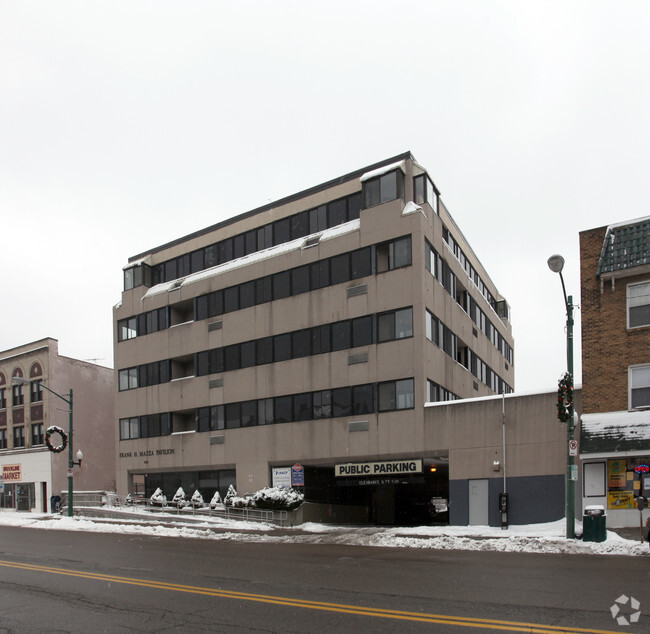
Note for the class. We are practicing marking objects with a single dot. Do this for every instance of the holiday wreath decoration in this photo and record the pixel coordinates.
(54, 429)
(564, 397)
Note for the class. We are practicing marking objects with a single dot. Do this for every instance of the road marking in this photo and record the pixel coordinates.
(510, 626)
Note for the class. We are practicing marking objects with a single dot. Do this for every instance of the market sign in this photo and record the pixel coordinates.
(394, 467)
(12, 473)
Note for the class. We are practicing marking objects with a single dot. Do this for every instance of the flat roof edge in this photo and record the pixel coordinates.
(282, 201)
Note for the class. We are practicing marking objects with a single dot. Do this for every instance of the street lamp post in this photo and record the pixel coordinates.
(18, 380)
(556, 264)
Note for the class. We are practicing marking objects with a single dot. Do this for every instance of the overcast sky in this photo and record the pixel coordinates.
(126, 124)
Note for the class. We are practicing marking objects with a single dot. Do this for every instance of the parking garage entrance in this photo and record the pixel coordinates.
(397, 492)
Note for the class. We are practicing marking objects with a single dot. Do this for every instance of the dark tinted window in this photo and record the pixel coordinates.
(361, 331)
(340, 268)
(282, 347)
(283, 409)
(231, 356)
(319, 274)
(337, 212)
(341, 402)
(281, 285)
(301, 343)
(231, 299)
(341, 336)
(302, 407)
(264, 352)
(300, 280)
(247, 354)
(246, 294)
(362, 399)
(249, 413)
(281, 231)
(233, 415)
(361, 262)
(263, 290)
(300, 225)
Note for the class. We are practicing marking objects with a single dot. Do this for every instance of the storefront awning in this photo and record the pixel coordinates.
(614, 432)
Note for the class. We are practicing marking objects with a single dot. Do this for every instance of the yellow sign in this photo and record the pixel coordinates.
(617, 479)
(620, 500)
(11, 473)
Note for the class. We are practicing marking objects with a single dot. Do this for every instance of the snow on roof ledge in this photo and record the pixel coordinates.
(412, 208)
(259, 256)
(380, 171)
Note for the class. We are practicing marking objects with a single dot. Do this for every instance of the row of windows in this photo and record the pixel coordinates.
(38, 437)
(375, 191)
(143, 324)
(466, 264)
(303, 279)
(357, 400)
(18, 394)
(439, 334)
(284, 230)
(341, 335)
(439, 268)
(437, 393)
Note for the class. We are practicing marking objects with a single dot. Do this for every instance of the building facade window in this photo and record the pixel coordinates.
(128, 379)
(36, 391)
(38, 437)
(17, 395)
(638, 305)
(424, 192)
(437, 393)
(639, 386)
(3, 438)
(395, 395)
(383, 189)
(19, 437)
(3, 398)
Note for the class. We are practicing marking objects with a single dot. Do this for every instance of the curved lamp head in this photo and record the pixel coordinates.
(556, 263)
(18, 380)
(80, 455)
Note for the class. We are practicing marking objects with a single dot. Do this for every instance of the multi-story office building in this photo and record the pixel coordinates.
(32, 474)
(615, 307)
(309, 331)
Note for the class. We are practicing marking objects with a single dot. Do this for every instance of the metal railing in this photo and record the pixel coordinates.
(142, 504)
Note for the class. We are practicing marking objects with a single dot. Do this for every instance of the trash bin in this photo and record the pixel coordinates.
(594, 522)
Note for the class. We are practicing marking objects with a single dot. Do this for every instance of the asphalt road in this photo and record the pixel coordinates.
(56, 581)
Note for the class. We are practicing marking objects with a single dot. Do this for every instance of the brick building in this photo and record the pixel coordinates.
(615, 308)
(32, 474)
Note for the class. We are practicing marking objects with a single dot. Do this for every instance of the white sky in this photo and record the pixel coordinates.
(124, 125)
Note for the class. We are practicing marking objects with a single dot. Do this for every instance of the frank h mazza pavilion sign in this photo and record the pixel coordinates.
(393, 467)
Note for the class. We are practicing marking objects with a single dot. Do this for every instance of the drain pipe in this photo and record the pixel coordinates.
(503, 497)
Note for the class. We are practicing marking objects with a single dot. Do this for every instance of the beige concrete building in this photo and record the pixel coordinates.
(32, 474)
(310, 333)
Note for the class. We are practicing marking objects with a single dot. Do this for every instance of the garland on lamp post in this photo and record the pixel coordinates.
(565, 397)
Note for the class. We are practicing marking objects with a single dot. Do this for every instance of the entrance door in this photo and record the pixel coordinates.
(478, 503)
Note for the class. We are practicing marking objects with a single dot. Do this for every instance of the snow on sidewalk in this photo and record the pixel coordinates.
(534, 538)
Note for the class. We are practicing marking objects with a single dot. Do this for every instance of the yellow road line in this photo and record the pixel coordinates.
(512, 626)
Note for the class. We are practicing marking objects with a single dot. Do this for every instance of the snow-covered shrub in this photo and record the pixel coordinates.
(179, 498)
(216, 500)
(232, 493)
(158, 499)
(197, 500)
(278, 499)
(242, 503)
